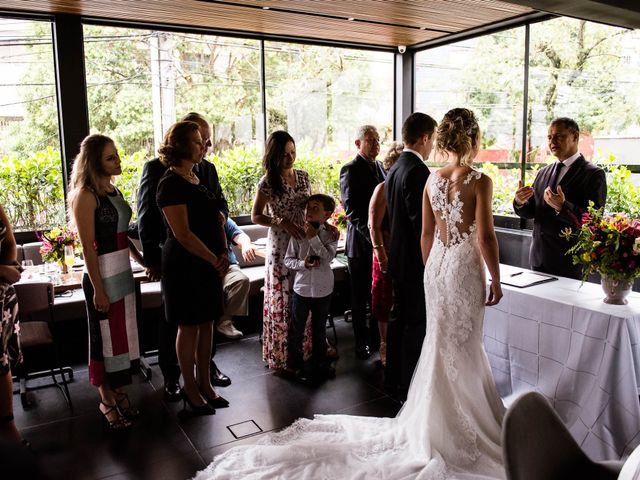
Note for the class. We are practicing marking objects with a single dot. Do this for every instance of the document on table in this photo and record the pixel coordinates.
(526, 279)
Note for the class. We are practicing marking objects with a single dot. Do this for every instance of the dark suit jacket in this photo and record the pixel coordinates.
(357, 182)
(403, 190)
(583, 182)
(151, 227)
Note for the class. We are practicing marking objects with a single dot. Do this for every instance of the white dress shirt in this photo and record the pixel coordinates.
(418, 154)
(566, 164)
(315, 282)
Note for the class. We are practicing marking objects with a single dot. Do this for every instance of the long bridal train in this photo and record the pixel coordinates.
(450, 425)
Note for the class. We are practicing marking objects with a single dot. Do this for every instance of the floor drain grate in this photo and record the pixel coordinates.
(244, 429)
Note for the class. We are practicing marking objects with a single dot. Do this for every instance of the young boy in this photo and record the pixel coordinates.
(310, 258)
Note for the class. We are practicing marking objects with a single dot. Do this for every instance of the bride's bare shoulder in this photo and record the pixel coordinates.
(483, 182)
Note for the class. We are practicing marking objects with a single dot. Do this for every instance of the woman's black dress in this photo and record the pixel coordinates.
(191, 287)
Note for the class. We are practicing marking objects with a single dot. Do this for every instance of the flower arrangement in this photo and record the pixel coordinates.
(339, 218)
(54, 241)
(607, 243)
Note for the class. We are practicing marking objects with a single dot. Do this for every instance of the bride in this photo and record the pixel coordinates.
(449, 428)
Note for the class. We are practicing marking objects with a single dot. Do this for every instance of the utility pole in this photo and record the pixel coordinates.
(163, 85)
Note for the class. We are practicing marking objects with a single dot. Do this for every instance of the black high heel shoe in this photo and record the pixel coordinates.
(217, 402)
(119, 422)
(124, 406)
(205, 409)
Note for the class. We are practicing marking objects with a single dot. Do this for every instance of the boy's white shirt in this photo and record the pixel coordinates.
(316, 282)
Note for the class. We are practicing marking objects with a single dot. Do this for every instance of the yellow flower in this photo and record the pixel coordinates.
(586, 257)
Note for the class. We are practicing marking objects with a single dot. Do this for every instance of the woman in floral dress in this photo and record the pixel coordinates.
(9, 344)
(279, 204)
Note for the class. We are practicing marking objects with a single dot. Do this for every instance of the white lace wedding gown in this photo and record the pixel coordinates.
(449, 428)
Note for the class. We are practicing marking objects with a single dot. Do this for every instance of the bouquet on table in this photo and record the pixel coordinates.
(54, 243)
(608, 243)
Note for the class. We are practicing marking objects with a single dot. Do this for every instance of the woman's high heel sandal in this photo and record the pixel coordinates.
(217, 402)
(119, 422)
(205, 409)
(125, 407)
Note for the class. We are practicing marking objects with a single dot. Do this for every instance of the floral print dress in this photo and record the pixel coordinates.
(278, 281)
(9, 343)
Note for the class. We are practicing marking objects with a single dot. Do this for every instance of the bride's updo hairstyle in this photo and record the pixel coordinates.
(459, 133)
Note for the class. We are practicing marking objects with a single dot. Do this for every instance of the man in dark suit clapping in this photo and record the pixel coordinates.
(153, 234)
(358, 179)
(559, 196)
(404, 187)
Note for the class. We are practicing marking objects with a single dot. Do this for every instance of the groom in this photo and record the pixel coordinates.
(403, 190)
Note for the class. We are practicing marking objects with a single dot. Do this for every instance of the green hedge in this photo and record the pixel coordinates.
(31, 189)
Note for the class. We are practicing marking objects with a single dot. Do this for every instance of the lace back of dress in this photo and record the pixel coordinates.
(453, 203)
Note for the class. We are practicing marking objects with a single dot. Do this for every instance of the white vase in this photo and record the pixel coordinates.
(616, 291)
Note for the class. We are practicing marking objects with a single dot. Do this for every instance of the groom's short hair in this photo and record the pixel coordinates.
(416, 125)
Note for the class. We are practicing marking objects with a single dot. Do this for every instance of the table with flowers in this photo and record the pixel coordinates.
(560, 339)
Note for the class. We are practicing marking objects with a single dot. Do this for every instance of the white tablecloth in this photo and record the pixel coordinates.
(563, 341)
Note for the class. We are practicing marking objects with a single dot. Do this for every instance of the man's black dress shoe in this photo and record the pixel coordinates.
(172, 391)
(218, 379)
(363, 352)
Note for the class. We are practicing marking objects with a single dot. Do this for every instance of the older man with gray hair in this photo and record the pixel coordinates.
(358, 179)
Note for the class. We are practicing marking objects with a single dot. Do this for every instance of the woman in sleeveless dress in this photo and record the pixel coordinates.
(102, 215)
(10, 355)
(450, 426)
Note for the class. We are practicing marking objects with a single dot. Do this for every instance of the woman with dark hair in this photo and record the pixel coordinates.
(9, 342)
(194, 261)
(102, 216)
(279, 204)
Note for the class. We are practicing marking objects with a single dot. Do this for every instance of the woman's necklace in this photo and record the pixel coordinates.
(190, 177)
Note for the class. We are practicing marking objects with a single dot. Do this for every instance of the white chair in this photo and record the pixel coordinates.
(35, 312)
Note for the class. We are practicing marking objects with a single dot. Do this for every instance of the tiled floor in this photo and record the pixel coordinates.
(163, 445)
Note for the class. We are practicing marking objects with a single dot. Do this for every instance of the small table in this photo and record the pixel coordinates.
(561, 339)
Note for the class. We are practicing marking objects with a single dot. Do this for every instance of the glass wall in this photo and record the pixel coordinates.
(321, 95)
(31, 189)
(579, 69)
(140, 82)
(486, 75)
(591, 73)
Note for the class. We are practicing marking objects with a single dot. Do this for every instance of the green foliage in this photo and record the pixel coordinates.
(31, 192)
(129, 180)
(239, 170)
(505, 184)
(622, 194)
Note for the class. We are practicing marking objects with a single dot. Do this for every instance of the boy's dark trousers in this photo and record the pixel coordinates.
(300, 308)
